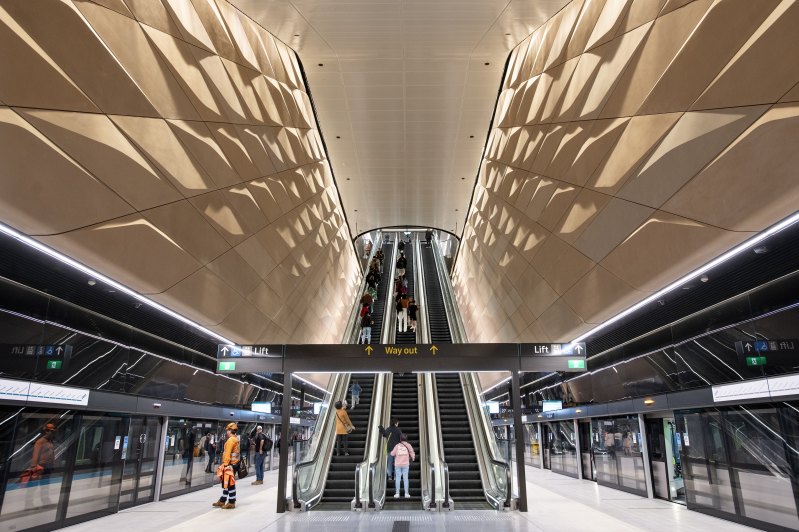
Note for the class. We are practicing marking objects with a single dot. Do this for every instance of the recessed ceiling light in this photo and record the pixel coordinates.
(462, 178)
(321, 64)
(356, 210)
(471, 136)
(338, 137)
(92, 282)
(507, 34)
(348, 179)
(486, 64)
(296, 34)
(456, 210)
(648, 402)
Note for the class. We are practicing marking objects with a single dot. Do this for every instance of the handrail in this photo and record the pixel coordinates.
(341, 382)
(481, 426)
(487, 453)
(445, 468)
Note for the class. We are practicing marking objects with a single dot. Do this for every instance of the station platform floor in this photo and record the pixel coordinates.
(556, 503)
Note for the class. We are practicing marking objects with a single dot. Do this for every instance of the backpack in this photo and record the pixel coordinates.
(268, 444)
(402, 450)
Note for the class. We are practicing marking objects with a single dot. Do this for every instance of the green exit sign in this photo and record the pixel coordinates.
(576, 364)
(227, 366)
(755, 361)
(54, 364)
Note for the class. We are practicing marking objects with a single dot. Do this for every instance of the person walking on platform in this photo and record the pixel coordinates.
(403, 456)
(228, 468)
(355, 390)
(260, 455)
(393, 434)
(343, 428)
(379, 257)
(366, 329)
(428, 236)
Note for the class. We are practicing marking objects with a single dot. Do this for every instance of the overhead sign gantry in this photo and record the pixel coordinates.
(400, 357)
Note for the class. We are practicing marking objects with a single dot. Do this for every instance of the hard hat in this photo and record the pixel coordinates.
(232, 426)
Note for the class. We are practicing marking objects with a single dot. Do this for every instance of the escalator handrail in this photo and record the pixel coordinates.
(335, 389)
(456, 327)
(352, 330)
(485, 436)
(385, 406)
(444, 466)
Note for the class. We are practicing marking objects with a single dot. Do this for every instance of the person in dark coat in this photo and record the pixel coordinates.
(393, 434)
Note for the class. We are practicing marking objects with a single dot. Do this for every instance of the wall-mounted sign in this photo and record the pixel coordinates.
(38, 392)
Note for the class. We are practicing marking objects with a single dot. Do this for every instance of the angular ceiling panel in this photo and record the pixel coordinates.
(148, 144)
(615, 181)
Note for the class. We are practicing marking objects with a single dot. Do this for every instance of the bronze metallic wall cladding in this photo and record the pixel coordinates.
(172, 146)
(633, 141)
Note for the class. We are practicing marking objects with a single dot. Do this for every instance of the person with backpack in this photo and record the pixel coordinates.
(393, 434)
(259, 442)
(403, 456)
(366, 330)
(231, 455)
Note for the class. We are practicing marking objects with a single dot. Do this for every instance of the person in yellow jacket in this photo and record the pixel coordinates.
(227, 470)
(343, 428)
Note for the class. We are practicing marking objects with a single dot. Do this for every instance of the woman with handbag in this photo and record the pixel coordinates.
(343, 428)
(227, 469)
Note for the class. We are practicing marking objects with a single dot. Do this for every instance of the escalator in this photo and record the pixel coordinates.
(465, 484)
(340, 485)
(409, 336)
(434, 299)
(405, 409)
(384, 290)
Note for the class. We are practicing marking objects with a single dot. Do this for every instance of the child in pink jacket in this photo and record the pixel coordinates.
(403, 455)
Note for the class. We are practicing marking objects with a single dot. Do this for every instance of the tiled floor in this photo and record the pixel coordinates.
(556, 503)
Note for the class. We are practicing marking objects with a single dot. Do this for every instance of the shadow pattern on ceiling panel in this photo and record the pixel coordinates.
(173, 146)
(632, 142)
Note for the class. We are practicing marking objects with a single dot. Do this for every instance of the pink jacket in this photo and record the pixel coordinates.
(402, 460)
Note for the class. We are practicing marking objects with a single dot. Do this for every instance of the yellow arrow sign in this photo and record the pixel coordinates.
(433, 349)
(369, 350)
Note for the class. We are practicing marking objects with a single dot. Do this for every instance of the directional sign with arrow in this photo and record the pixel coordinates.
(768, 352)
(368, 350)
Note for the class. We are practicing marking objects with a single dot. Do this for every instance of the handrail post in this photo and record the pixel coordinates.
(357, 488)
(371, 479)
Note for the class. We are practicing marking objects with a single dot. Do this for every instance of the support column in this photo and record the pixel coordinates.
(540, 445)
(645, 452)
(159, 466)
(578, 449)
(519, 433)
(283, 464)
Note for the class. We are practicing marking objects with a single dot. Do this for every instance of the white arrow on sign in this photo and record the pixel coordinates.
(225, 350)
(748, 347)
(578, 349)
(59, 349)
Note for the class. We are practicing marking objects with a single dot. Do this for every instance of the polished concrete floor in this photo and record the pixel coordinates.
(556, 503)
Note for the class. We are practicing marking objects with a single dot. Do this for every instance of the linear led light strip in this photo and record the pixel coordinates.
(740, 248)
(121, 288)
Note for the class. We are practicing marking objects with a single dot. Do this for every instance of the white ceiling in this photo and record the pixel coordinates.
(404, 96)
